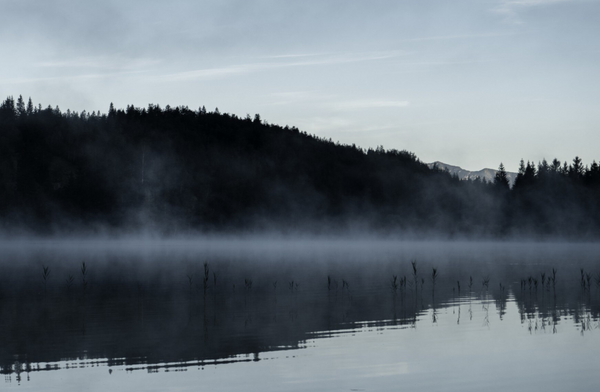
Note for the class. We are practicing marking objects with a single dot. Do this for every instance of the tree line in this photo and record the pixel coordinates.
(175, 169)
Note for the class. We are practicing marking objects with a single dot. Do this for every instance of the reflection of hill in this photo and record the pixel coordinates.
(161, 318)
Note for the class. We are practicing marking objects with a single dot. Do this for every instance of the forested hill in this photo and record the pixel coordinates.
(177, 170)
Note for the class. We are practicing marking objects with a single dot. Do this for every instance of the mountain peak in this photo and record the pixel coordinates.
(463, 174)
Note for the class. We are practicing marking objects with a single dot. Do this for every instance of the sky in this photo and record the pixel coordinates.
(470, 83)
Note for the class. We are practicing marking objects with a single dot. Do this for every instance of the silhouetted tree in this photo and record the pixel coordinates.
(576, 170)
(543, 170)
(7, 109)
(29, 107)
(111, 110)
(21, 112)
(501, 178)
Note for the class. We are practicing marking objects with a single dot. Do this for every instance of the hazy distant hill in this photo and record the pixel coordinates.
(487, 174)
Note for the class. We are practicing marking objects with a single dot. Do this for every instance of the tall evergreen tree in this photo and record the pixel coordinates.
(21, 112)
(520, 175)
(111, 110)
(501, 178)
(576, 170)
(7, 108)
(543, 169)
(29, 107)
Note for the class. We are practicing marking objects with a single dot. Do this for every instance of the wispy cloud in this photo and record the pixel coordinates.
(333, 102)
(212, 73)
(529, 3)
(370, 104)
(510, 8)
(293, 94)
(442, 63)
(108, 63)
(280, 56)
(301, 60)
(328, 124)
(456, 36)
(66, 78)
(295, 97)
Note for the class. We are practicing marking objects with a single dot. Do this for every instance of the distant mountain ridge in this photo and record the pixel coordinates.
(487, 174)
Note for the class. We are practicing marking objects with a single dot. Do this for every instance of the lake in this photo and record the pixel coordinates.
(296, 315)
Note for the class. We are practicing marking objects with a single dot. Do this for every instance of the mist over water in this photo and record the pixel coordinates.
(175, 247)
(143, 308)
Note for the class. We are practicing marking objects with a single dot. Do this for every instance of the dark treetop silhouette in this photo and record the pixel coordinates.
(180, 170)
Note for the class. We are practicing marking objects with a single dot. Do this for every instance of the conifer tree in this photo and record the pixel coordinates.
(543, 169)
(501, 178)
(111, 110)
(20, 107)
(520, 175)
(576, 170)
(7, 108)
(29, 109)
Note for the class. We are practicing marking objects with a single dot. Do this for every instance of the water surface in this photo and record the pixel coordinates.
(298, 315)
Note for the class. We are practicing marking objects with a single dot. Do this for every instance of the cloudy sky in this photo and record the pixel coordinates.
(467, 82)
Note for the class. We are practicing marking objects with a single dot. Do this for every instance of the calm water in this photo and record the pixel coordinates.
(299, 315)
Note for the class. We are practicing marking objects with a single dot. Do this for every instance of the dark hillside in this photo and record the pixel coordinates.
(179, 170)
